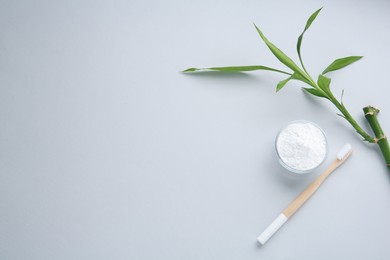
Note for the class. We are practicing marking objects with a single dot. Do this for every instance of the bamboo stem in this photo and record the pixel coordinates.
(347, 116)
(371, 113)
(353, 122)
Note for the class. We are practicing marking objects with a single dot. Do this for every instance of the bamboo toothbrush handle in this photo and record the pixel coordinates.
(342, 155)
(297, 203)
(306, 194)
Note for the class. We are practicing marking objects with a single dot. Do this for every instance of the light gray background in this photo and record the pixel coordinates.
(108, 152)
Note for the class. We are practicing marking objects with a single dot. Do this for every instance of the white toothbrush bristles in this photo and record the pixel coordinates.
(344, 152)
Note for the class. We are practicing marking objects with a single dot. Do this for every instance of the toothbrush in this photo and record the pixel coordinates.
(342, 156)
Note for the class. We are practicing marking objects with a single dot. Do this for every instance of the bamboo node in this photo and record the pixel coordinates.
(371, 111)
(376, 140)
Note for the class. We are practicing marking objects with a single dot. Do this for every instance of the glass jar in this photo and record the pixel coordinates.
(301, 147)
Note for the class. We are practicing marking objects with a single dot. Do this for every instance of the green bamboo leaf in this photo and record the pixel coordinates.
(299, 77)
(294, 76)
(341, 63)
(308, 23)
(315, 92)
(282, 83)
(324, 83)
(283, 58)
(236, 69)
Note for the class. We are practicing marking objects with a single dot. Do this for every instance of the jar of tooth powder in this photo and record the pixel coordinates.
(301, 147)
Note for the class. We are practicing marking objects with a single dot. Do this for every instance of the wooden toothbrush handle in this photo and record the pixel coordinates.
(306, 194)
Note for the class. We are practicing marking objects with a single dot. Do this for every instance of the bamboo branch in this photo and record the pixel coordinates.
(351, 120)
(321, 88)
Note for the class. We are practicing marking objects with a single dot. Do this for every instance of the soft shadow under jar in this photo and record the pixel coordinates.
(301, 147)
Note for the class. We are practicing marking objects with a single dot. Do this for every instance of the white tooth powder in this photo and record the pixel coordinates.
(301, 146)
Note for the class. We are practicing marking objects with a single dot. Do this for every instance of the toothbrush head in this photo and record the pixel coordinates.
(344, 152)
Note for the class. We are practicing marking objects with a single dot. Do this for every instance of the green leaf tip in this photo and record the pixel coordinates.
(236, 69)
(312, 18)
(341, 63)
(282, 83)
(190, 70)
(307, 26)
